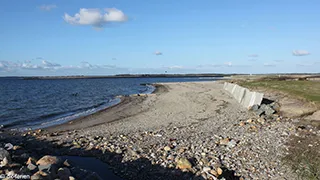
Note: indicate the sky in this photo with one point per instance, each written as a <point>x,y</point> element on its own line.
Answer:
<point>105,37</point>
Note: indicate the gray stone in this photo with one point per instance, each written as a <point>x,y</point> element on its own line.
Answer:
<point>5,158</point>
<point>259,112</point>
<point>269,111</point>
<point>232,143</point>
<point>254,107</point>
<point>31,166</point>
<point>49,168</point>
<point>263,107</point>
<point>275,106</point>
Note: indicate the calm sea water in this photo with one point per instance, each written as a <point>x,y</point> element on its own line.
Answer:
<point>30,104</point>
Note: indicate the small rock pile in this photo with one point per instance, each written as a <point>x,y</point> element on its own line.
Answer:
<point>265,109</point>
<point>15,163</point>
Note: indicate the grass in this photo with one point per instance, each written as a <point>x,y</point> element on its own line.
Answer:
<point>307,90</point>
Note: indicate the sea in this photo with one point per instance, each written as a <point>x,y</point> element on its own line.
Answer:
<point>32,104</point>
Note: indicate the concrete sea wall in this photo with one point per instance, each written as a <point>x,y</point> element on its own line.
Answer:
<point>243,95</point>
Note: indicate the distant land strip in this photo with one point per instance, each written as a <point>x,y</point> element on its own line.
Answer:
<point>128,76</point>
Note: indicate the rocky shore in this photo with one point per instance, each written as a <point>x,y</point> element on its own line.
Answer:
<point>186,131</point>
<point>25,160</point>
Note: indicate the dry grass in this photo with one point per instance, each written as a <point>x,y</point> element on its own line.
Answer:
<point>304,156</point>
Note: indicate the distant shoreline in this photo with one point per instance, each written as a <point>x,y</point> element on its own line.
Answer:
<point>126,76</point>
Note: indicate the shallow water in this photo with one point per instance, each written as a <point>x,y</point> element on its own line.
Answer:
<point>30,104</point>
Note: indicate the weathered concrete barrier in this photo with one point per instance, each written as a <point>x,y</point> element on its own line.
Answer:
<point>243,95</point>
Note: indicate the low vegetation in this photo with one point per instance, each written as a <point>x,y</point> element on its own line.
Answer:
<point>304,156</point>
<point>307,90</point>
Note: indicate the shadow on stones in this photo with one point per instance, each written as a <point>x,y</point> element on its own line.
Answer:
<point>141,168</point>
<point>229,174</point>
<point>266,101</point>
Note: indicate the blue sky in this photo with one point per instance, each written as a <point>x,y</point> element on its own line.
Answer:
<point>99,37</point>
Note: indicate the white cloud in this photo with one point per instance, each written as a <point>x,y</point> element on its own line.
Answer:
<point>158,53</point>
<point>94,17</point>
<point>27,65</point>
<point>85,64</point>
<point>47,7</point>
<point>3,66</point>
<point>300,53</point>
<point>114,15</point>
<point>48,65</point>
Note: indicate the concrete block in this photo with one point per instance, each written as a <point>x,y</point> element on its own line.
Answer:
<point>234,88</point>
<point>238,93</point>
<point>245,101</point>
<point>256,99</point>
<point>251,98</point>
<point>243,95</point>
<point>230,87</point>
<point>225,85</point>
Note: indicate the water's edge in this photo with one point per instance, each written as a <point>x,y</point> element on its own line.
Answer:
<point>72,116</point>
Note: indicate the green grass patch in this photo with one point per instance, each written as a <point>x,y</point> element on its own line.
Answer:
<point>308,90</point>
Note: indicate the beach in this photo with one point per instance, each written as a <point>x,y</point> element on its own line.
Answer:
<point>194,120</point>
<point>174,104</point>
<point>180,131</point>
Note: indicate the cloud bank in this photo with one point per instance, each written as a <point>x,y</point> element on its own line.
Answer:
<point>95,18</point>
<point>300,53</point>
<point>9,66</point>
